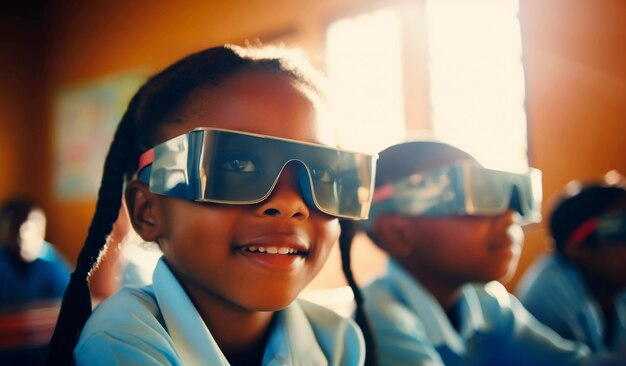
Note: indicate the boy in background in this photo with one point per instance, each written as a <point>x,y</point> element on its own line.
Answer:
<point>579,290</point>
<point>452,229</point>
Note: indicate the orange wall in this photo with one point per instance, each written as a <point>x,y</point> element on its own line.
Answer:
<point>22,149</point>
<point>575,64</point>
<point>574,57</point>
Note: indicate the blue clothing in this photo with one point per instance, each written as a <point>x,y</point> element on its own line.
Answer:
<point>555,293</point>
<point>411,327</point>
<point>50,254</point>
<point>158,324</point>
<point>23,283</point>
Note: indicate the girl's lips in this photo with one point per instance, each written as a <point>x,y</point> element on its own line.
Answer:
<point>294,242</point>
<point>272,250</point>
<point>275,252</point>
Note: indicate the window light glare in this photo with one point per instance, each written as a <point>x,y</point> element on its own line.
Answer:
<point>477,79</point>
<point>364,68</point>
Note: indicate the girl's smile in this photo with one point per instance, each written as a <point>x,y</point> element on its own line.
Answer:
<point>275,251</point>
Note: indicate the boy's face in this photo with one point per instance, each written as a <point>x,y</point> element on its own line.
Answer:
<point>464,249</point>
<point>215,249</point>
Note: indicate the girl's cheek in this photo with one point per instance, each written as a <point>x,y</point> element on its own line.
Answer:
<point>335,228</point>
<point>329,232</point>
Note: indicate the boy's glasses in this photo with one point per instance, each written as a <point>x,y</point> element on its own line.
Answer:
<point>608,229</point>
<point>462,188</point>
<point>221,166</point>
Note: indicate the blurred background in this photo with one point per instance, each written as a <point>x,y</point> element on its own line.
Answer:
<point>539,83</point>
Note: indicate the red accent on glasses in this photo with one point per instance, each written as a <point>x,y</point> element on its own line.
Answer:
<point>582,232</point>
<point>383,192</point>
<point>146,159</point>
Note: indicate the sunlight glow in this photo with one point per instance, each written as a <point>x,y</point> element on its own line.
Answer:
<point>364,65</point>
<point>477,79</point>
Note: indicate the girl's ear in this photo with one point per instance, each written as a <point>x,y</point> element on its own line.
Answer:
<point>143,211</point>
<point>393,235</point>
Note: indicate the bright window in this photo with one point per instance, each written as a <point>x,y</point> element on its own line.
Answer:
<point>364,66</point>
<point>475,75</point>
<point>477,79</point>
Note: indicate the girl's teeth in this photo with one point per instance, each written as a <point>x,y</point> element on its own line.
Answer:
<point>271,250</point>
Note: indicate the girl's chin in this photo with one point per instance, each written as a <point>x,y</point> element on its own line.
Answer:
<point>270,299</point>
<point>272,304</point>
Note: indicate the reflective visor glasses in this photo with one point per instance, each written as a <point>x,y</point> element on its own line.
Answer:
<point>608,229</point>
<point>221,166</point>
<point>462,188</point>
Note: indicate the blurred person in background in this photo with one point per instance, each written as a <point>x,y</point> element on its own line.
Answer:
<point>30,268</point>
<point>453,232</point>
<point>579,290</point>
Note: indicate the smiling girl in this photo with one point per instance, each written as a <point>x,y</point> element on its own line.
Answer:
<point>225,170</point>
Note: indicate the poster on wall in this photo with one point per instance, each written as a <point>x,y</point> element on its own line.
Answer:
<point>85,120</point>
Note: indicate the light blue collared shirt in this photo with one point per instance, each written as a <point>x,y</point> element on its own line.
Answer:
<point>555,293</point>
<point>158,325</point>
<point>412,328</point>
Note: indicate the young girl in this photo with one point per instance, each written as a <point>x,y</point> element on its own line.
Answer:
<point>452,228</point>
<point>226,173</point>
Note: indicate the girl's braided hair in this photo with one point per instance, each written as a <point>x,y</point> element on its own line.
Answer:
<point>348,231</point>
<point>157,103</point>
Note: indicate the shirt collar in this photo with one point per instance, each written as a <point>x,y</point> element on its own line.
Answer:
<point>433,317</point>
<point>292,328</point>
<point>435,321</point>
<point>188,331</point>
<point>196,345</point>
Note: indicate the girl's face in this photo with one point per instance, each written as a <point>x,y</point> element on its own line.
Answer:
<point>467,249</point>
<point>242,256</point>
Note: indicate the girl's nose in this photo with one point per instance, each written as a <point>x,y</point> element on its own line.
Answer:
<point>286,200</point>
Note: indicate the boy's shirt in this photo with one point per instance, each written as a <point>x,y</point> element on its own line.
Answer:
<point>158,324</point>
<point>555,293</point>
<point>411,327</point>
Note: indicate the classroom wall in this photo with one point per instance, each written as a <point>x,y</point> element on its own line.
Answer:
<point>22,125</point>
<point>575,64</point>
<point>574,60</point>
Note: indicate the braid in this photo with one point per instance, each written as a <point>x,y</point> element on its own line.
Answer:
<point>76,306</point>
<point>348,230</point>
